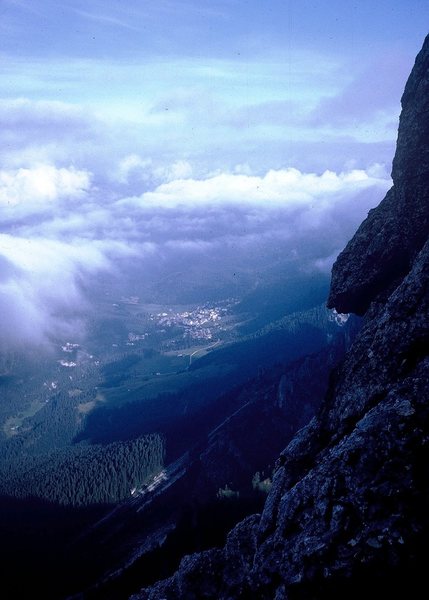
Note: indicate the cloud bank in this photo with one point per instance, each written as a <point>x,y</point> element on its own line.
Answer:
<point>281,188</point>
<point>61,230</point>
<point>130,167</point>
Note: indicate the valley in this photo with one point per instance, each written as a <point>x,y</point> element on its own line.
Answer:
<point>162,341</point>
<point>141,414</point>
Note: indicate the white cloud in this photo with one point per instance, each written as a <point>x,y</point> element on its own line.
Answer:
<point>40,296</point>
<point>32,189</point>
<point>133,164</point>
<point>49,260</point>
<point>181,169</point>
<point>284,187</point>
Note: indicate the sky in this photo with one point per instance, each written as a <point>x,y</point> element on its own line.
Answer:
<point>145,131</point>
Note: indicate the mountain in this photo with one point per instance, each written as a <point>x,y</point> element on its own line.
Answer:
<point>103,489</point>
<point>222,478</point>
<point>347,513</point>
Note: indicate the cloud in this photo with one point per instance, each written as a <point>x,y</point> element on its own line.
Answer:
<point>179,170</point>
<point>375,92</point>
<point>107,20</point>
<point>134,168</point>
<point>60,232</point>
<point>131,166</point>
<point>35,132</point>
<point>219,149</point>
<point>284,187</point>
<point>276,113</point>
<point>40,295</point>
<point>24,122</point>
<point>42,114</point>
<point>217,117</point>
<point>24,191</point>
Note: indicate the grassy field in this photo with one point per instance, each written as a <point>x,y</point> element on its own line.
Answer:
<point>12,425</point>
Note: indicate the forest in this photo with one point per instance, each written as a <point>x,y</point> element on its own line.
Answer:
<point>85,475</point>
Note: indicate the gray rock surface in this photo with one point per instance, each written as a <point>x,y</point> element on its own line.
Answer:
<point>348,509</point>
<point>386,244</point>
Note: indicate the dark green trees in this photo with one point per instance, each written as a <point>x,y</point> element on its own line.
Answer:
<point>87,474</point>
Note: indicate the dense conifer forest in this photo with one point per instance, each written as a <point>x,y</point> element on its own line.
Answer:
<point>85,474</point>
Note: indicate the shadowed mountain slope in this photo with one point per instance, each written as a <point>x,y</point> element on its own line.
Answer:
<point>347,513</point>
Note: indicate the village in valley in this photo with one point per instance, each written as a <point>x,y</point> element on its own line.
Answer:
<point>134,344</point>
<point>179,328</point>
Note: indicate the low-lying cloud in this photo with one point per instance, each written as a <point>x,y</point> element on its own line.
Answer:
<point>60,231</point>
<point>279,188</point>
<point>40,296</point>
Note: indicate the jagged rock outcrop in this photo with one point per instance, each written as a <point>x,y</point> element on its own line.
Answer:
<point>348,509</point>
<point>386,244</point>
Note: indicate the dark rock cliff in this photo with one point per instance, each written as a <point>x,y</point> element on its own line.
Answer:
<point>388,241</point>
<point>348,509</point>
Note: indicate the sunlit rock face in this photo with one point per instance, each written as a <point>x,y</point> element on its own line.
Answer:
<point>348,514</point>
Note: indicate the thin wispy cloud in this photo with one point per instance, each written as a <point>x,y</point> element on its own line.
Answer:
<point>110,12</point>
<point>107,20</point>
<point>365,96</point>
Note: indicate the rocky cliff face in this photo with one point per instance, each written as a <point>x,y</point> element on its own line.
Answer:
<point>385,246</point>
<point>348,509</point>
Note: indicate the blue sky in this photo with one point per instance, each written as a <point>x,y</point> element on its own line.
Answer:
<point>176,113</point>
<point>224,77</point>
